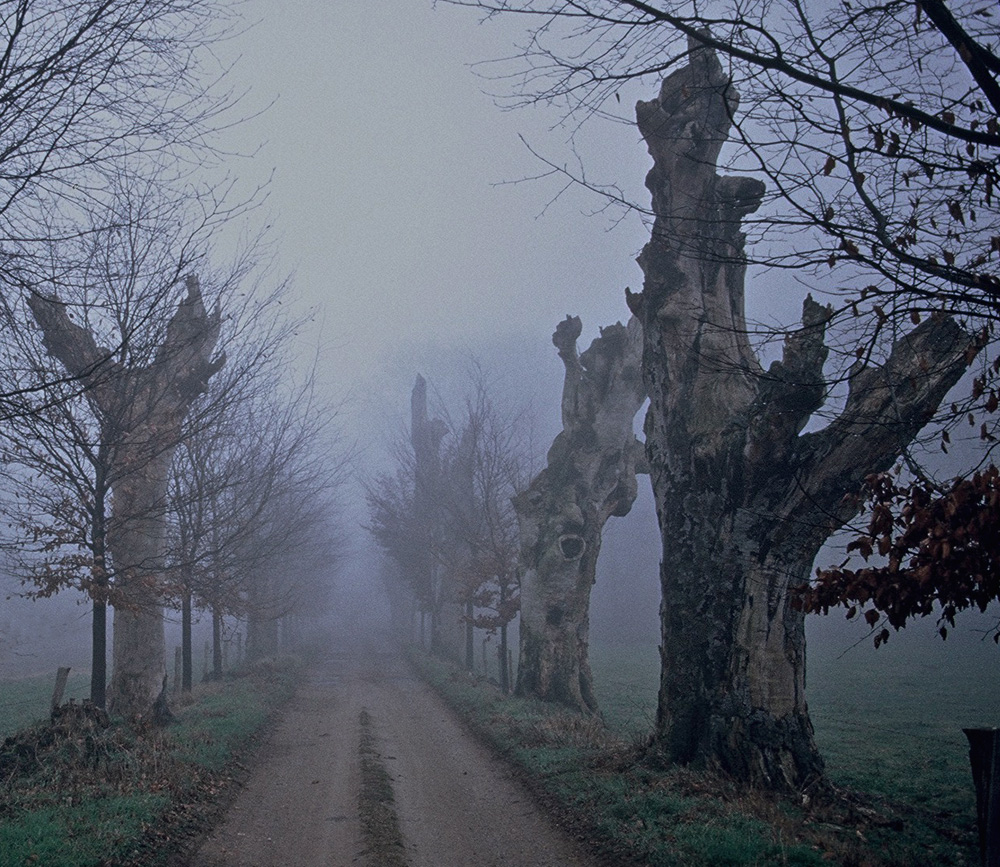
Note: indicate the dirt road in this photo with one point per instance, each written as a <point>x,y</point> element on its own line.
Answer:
<point>456,804</point>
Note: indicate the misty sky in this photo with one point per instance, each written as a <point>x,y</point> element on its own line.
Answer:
<point>391,196</point>
<point>398,199</point>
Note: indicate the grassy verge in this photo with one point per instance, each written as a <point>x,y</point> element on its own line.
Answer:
<point>888,722</point>
<point>636,812</point>
<point>81,793</point>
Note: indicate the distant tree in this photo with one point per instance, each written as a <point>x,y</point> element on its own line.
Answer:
<point>493,458</point>
<point>449,528</point>
<point>237,451</point>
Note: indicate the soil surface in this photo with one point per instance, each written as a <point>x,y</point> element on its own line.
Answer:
<point>456,804</point>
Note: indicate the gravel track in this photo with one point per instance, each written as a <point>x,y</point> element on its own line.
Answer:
<point>456,804</point>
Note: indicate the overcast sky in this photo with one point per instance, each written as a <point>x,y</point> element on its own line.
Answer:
<point>398,199</point>
<point>393,195</point>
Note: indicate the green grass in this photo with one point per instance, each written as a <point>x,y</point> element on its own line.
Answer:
<point>122,797</point>
<point>888,725</point>
<point>27,700</point>
<point>887,721</point>
<point>98,832</point>
<point>631,813</point>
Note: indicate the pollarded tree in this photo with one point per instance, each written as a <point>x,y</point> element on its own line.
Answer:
<point>590,477</point>
<point>744,498</point>
<point>141,409</point>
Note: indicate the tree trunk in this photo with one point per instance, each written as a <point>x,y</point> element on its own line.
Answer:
<point>99,621</point>
<point>99,653</point>
<point>470,637</point>
<point>217,670</point>
<point>590,476</point>
<point>504,667</point>
<point>136,545</point>
<point>186,651</point>
<point>141,409</point>
<point>744,500</point>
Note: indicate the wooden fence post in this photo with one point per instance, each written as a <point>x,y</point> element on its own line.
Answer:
<point>984,755</point>
<point>61,675</point>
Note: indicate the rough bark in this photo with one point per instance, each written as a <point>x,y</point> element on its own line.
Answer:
<point>141,408</point>
<point>590,476</point>
<point>744,499</point>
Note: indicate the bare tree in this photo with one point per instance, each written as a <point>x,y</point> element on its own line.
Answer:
<point>251,494</point>
<point>86,83</point>
<point>489,465</point>
<point>449,528</point>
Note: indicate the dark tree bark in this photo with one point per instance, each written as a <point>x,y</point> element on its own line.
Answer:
<point>141,409</point>
<point>590,476</point>
<point>217,642</point>
<point>99,618</point>
<point>744,499</point>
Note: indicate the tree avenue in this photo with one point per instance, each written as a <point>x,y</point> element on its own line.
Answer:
<point>744,498</point>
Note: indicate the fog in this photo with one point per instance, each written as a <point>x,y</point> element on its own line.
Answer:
<point>424,234</point>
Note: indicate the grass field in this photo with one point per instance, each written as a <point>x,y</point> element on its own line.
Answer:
<point>27,700</point>
<point>888,722</point>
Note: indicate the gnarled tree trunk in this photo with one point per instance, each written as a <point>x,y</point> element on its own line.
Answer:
<point>590,476</point>
<point>744,499</point>
<point>141,409</point>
